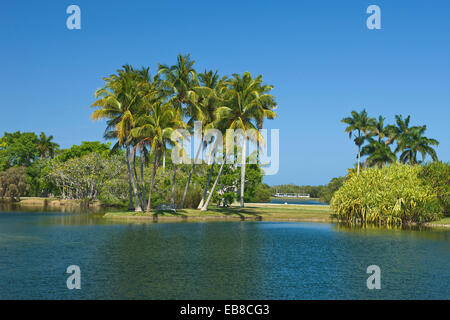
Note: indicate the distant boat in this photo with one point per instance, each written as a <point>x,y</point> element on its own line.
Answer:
<point>292,195</point>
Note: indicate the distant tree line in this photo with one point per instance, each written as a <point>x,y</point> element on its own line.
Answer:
<point>34,165</point>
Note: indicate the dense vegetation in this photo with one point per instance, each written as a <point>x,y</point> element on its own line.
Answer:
<point>142,113</point>
<point>92,170</point>
<point>392,194</point>
<point>387,188</point>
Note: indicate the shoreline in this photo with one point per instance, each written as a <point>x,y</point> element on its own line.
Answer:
<point>273,212</point>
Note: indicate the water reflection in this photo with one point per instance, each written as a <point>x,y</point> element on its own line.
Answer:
<point>216,260</point>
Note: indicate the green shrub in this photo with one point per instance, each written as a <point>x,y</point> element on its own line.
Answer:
<point>328,191</point>
<point>394,194</point>
<point>437,175</point>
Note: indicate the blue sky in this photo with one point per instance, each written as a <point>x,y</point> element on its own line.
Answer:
<point>319,55</point>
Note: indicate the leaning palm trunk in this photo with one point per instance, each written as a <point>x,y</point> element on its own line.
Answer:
<point>207,186</point>
<point>142,179</point>
<point>172,198</point>
<point>244,151</point>
<point>138,188</point>
<point>205,207</point>
<point>130,195</point>
<point>152,183</point>
<point>133,182</point>
<point>190,174</point>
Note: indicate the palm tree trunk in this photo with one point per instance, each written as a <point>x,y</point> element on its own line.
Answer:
<point>130,196</point>
<point>155,167</point>
<point>133,182</point>
<point>205,207</point>
<point>190,174</point>
<point>206,186</point>
<point>172,198</point>
<point>164,160</point>
<point>142,178</point>
<point>138,188</point>
<point>244,151</point>
<point>359,159</point>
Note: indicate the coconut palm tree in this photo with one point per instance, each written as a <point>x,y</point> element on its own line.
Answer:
<point>362,124</point>
<point>154,130</point>
<point>246,103</point>
<point>203,101</point>
<point>46,147</point>
<point>415,142</point>
<point>178,80</point>
<point>118,102</point>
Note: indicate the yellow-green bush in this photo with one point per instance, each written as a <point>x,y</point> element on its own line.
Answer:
<point>393,194</point>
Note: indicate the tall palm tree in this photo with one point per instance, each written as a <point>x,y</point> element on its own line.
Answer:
<point>362,124</point>
<point>246,104</point>
<point>46,146</point>
<point>203,101</point>
<point>379,153</point>
<point>119,101</point>
<point>154,130</point>
<point>415,142</point>
<point>178,81</point>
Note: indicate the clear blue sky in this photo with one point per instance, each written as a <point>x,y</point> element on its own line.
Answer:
<point>319,55</point>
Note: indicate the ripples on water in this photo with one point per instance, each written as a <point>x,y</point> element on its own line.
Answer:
<point>216,260</point>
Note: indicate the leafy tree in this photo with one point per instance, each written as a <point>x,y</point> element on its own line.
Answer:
<point>327,192</point>
<point>18,149</point>
<point>13,183</point>
<point>86,147</point>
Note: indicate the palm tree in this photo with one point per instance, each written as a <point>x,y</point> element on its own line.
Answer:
<point>178,81</point>
<point>154,130</point>
<point>379,153</point>
<point>203,101</point>
<point>208,103</point>
<point>362,124</point>
<point>46,147</point>
<point>415,142</point>
<point>246,104</point>
<point>119,101</point>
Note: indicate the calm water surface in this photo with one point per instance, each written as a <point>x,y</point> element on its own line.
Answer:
<point>215,260</point>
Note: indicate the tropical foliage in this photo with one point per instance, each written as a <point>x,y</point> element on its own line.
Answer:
<point>395,194</point>
<point>143,114</point>
<point>409,141</point>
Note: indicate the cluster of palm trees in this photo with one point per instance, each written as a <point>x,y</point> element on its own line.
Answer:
<point>144,112</point>
<point>374,139</point>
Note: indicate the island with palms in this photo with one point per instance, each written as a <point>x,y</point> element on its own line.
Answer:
<point>143,113</point>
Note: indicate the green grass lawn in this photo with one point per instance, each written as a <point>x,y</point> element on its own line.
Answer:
<point>250,212</point>
<point>443,221</point>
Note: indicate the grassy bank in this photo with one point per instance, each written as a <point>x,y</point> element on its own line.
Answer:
<point>265,212</point>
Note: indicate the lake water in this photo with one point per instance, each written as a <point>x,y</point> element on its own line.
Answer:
<point>215,260</point>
